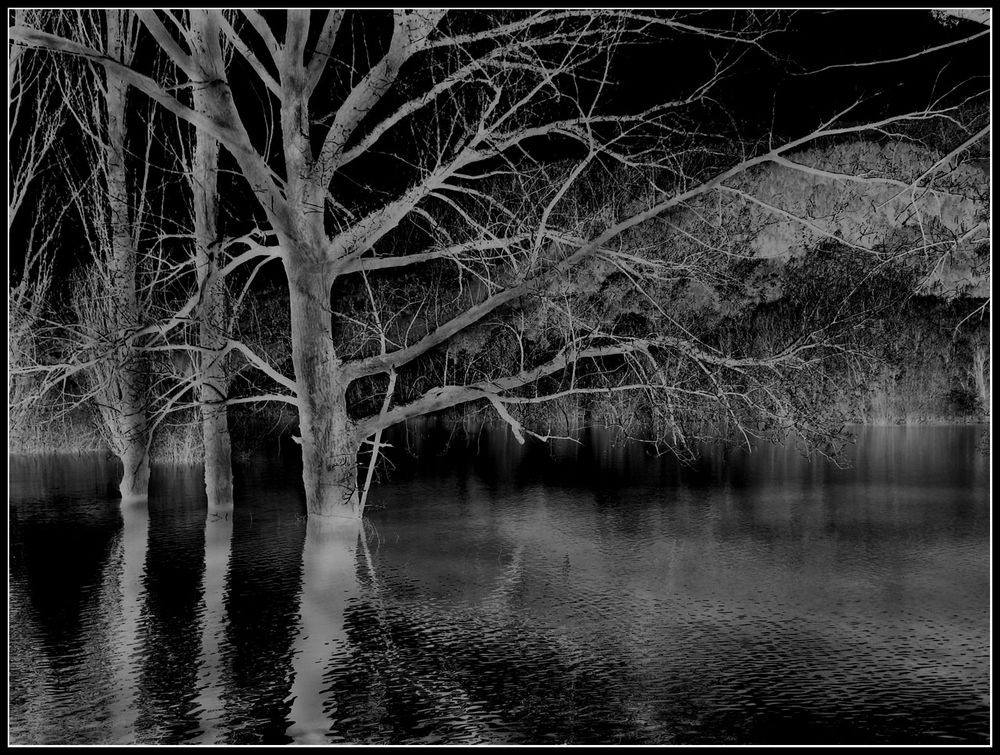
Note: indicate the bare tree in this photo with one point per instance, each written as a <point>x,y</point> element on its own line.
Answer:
<point>36,114</point>
<point>109,301</point>
<point>207,57</point>
<point>113,341</point>
<point>410,141</point>
<point>93,349</point>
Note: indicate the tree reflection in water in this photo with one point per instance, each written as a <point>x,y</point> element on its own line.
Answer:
<point>329,582</point>
<point>218,549</point>
<point>131,582</point>
<point>376,665</point>
<point>603,600</point>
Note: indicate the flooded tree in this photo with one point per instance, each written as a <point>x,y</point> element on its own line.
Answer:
<point>462,202</point>
<point>113,348</point>
<point>207,53</point>
<point>108,299</point>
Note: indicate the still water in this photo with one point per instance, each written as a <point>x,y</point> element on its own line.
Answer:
<point>514,595</point>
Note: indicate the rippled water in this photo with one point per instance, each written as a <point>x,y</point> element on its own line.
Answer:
<point>517,596</point>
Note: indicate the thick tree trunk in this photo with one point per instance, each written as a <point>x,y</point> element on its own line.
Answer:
<point>211,334</point>
<point>134,484</point>
<point>126,396</point>
<point>329,438</point>
<point>981,374</point>
<point>218,457</point>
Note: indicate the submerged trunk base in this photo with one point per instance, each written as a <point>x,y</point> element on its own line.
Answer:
<point>134,485</point>
<point>331,487</point>
<point>218,464</point>
<point>334,499</point>
<point>328,440</point>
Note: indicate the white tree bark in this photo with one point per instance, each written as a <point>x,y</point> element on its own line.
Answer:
<point>981,375</point>
<point>212,378</point>
<point>329,439</point>
<point>131,440</point>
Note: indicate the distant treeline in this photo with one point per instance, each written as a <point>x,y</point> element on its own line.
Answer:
<point>927,362</point>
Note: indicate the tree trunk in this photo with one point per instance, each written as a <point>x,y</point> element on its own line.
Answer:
<point>211,325</point>
<point>127,396</point>
<point>329,438</point>
<point>218,456</point>
<point>981,374</point>
<point>134,485</point>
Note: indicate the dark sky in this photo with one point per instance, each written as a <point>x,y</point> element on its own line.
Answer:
<point>812,40</point>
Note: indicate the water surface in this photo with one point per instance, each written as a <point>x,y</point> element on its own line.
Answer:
<point>514,595</point>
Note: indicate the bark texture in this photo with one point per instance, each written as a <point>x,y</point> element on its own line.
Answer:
<point>328,436</point>
<point>207,55</point>
<point>130,434</point>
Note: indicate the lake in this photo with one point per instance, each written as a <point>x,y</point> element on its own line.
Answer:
<point>508,594</point>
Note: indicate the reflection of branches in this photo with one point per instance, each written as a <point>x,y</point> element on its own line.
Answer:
<point>450,697</point>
